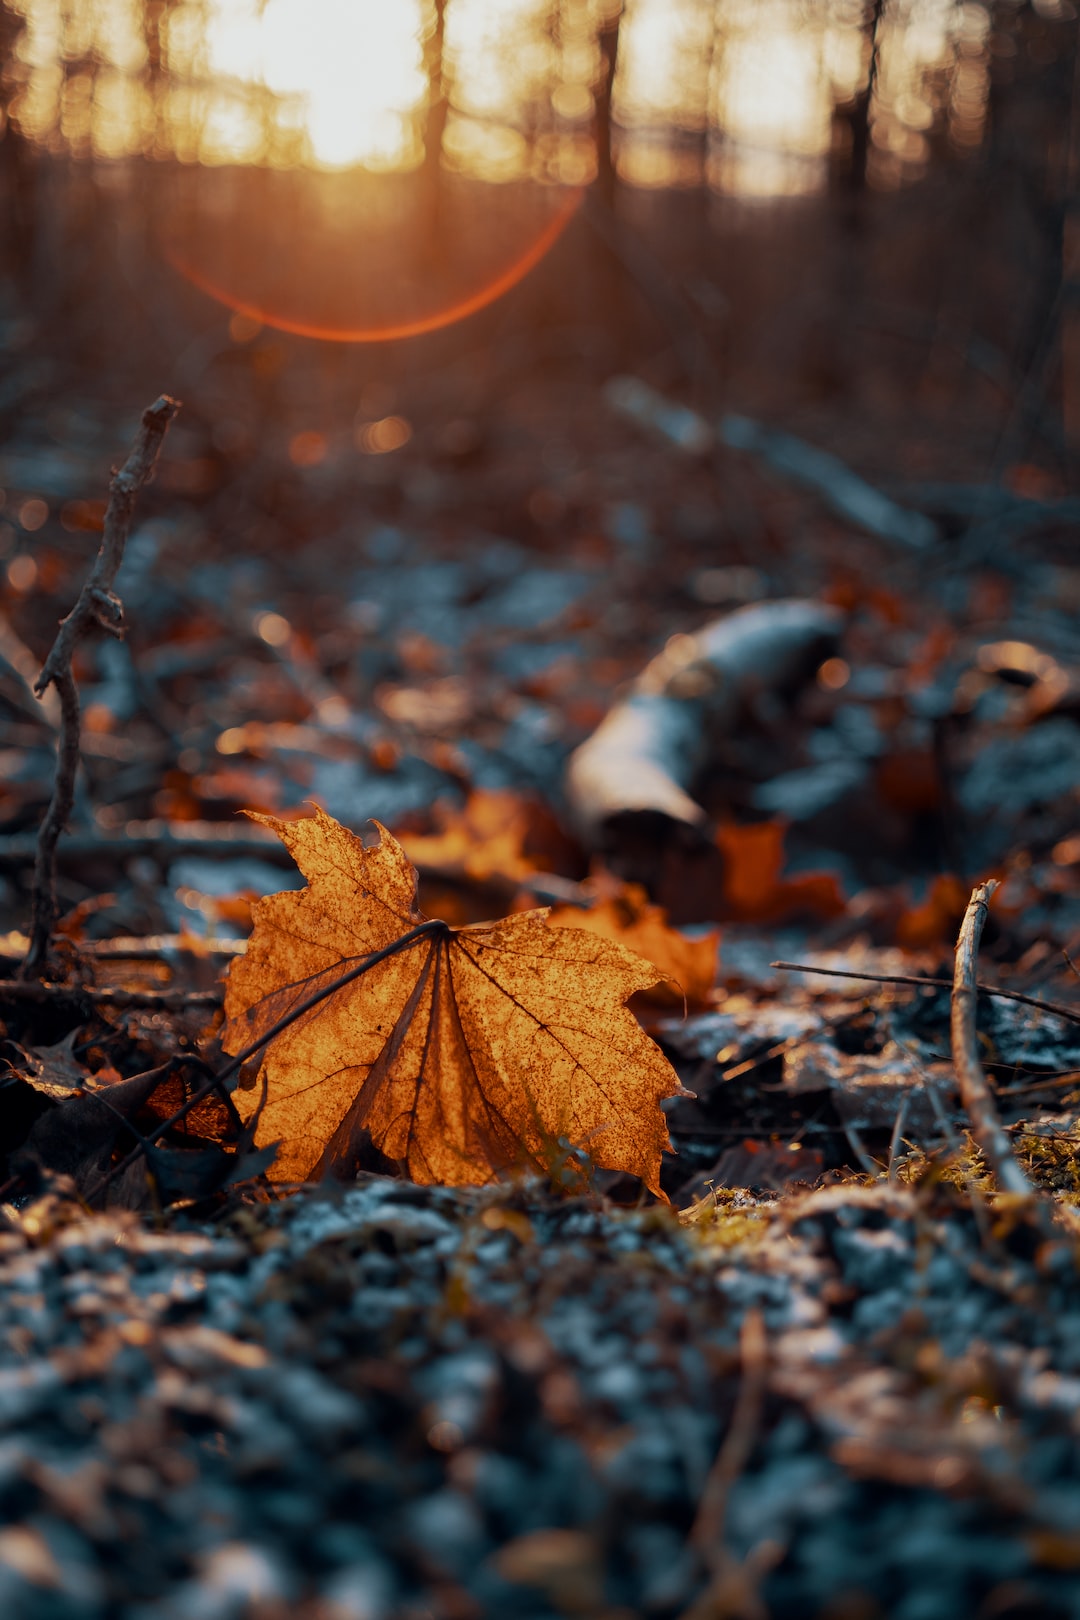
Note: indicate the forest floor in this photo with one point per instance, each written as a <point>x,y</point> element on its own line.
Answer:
<point>837,1375</point>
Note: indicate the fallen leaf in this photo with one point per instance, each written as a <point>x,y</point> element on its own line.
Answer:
<point>77,1136</point>
<point>495,834</point>
<point>757,1163</point>
<point>54,1071</point>
<point>687,967</point>
<point>563,1564</point>
<point>755,889</point>
<point>197,1172</point>
<point>935,920</point>
<point>462,1053</point>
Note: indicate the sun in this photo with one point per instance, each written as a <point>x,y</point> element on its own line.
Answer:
<point>349,73</point>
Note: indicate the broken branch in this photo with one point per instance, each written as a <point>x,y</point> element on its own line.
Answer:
<point>1055,1007</point>
<point>97,604</point>
<point>975,1092</point>
<point>41,990</point>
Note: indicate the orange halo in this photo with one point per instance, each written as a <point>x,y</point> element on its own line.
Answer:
<point>459,311</point>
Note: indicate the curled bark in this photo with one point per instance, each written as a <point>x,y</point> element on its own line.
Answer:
<point>647,751</point>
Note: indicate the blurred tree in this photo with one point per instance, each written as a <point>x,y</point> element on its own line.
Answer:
<point>1028,155</point>
<point>18,166</point>
<point>603,125</point>
<point>853,123</point>
<point>436,113</point>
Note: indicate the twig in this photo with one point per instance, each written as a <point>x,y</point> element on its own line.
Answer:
<point>97,604</point>
<point>897,1135</point>
<point>1055,1007</point>
<point>734,1454</point>
<point>425,930</point>
<point>19,671</point>
<point>41,990</point>
<point>855,1142</point>
<point>975,1092</point>
<point>136,948</point>
<point>732,1586</point>
<point>1056,1082</point>
<point>213,840</point>
<point>659,289</point>
<point>841,489</point>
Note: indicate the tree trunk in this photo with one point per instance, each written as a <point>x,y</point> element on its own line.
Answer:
<point>606,172</point>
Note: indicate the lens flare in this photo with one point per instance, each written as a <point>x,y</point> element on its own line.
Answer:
<point>359,259</point>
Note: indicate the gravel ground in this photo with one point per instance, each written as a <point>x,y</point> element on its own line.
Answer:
<point>414,1403</point>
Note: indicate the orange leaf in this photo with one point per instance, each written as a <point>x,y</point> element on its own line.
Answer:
<point>463,1054</point>
<point>687,967</point>
<point>496,833</point>
<point>755,889</point>
<point>937,919</point>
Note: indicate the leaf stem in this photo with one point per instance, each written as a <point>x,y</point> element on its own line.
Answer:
<point>425,930</point>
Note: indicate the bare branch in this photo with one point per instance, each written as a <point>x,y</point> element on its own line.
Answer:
<point>41,990</point>
<point>97,605</point>
<point>1058,1008</point>
<point>733,1583</point>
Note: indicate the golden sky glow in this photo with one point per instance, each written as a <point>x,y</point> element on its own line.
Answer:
<point>353,70</point>
<point>334,83</point>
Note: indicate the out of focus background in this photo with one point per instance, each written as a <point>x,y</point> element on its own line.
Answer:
<point>503,331</point>
<point>853,212</point>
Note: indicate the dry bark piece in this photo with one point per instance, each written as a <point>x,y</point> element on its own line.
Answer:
<point>645,754</point>
<point>462,1053</point>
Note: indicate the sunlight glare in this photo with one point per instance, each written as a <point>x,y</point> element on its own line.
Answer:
<point>355,67</point>
<point>772,92</point>
<point>738,94</point>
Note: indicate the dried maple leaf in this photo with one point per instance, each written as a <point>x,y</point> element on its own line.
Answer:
<point>496,833</point>
<point>686,968</point>
<point>462,1052</point>
<point>755,889</point>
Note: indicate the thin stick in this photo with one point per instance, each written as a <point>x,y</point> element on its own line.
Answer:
<point>165,842</point>
<point>97,604</point>
<point>1071,1013</point>
<point>732,1588</point>
<point>708,1530</point>
<point>41,990</point>
<point>855,1142</point>
<point>975,1092</point>
<point>136,948</point>
<point>897,1135</point>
